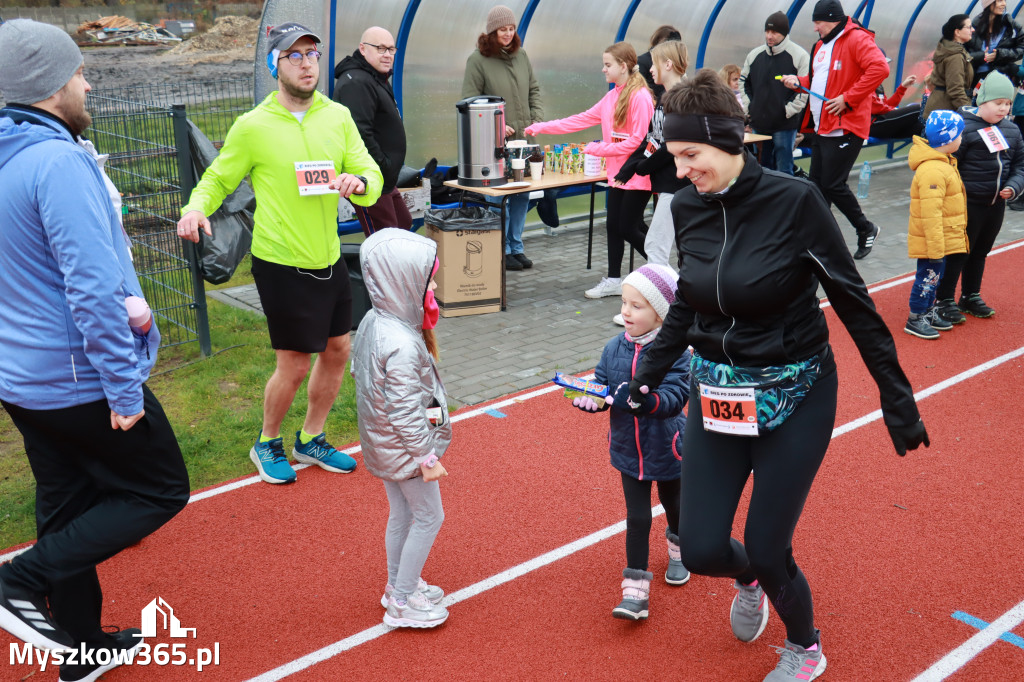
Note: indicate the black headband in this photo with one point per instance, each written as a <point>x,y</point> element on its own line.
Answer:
<point>724,132</point>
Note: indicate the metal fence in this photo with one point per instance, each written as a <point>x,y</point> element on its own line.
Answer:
<point>145,133</point>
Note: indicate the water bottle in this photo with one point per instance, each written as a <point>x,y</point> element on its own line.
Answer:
<point>865,181</point>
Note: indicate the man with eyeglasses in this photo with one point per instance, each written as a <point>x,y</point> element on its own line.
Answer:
<point>362,86</point>
<point>300,150</point>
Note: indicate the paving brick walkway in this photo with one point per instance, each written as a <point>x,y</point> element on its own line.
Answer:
<point>550,326</point>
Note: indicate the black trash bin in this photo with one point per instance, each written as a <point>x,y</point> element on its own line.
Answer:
<point>360,296</point>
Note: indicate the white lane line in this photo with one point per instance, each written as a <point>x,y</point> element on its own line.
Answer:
<point>888,284</point>
<point>244,482</point>
<point>473,590</point>
<point>932,390</point>
<point>959,657</point>
<point>516,571</point>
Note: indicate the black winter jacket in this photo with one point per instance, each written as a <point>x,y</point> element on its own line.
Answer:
<point>1009,50</point>
<point>659,164</point>
<point>647,447</point>
<point>369,98</point>
<point>772,106</point>
<point>985,173</point>
<point>751,260</point>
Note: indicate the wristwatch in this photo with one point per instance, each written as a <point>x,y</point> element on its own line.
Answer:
<point>362,180</point>
<point>430,461</point>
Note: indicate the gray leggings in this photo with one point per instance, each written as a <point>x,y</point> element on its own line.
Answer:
<point>415,518</point>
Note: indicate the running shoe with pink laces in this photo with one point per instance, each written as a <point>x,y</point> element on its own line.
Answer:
<point>797,663</point>
<point>749,613</point>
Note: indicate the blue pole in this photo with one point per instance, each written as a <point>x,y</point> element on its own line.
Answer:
<point>626,19</point>
<point>524,21</point>
<point>403,40</point>
<point>794,10</point>
<point>867,14</point>
<point>906,38</point>
<point>331,34</point>
<point>706,35</point>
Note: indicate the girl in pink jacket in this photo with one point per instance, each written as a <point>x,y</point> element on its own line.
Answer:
<point>624,114</point>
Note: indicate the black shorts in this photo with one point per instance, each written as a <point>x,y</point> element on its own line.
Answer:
<point>304,308</point>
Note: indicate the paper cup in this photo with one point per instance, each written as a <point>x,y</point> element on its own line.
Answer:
<point>518,164</point>
<point>536,169</point>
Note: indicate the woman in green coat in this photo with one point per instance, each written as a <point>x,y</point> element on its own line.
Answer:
<point>499,66</point>
<point>953,74</point>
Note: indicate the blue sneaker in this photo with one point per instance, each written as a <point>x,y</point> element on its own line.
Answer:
<point>321,453</point>
<point>271,461</point>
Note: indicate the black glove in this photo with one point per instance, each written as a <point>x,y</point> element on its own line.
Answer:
<point>622,400</point>
<point>623,176</point>
<point>908,437</point>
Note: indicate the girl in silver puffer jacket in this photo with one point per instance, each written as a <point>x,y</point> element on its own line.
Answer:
<point>403,415</point>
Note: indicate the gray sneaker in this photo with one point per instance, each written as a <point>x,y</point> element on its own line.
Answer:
<point>797,663</point>
<point>917,325</point>
<point>415,611</point>
<point>749,613</point>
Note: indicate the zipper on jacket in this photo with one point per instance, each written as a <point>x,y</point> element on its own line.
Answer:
<point>309,155</point>
<point>718,280</point>
<point>636,420</point>
<point>999,177</point>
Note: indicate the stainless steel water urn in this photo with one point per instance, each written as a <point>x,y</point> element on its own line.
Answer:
<point>481,141</point>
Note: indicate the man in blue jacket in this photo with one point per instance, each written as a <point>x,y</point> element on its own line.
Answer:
<point>107,466</point>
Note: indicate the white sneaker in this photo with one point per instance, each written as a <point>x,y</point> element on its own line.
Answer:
<point>608,286</point>
<point>618,320</point>
<point>432,592</point>
<point>415,611</point>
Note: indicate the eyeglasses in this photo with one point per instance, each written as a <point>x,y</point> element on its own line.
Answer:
<point>383,49</point>
<point>296,57</point>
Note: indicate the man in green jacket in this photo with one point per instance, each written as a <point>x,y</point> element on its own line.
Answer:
<point>300,151</point>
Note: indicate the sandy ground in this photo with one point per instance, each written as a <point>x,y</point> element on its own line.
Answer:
<point>114,67</point>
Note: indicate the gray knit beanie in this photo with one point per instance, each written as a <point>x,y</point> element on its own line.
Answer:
<point>498,17</point>
<point>36,60</point>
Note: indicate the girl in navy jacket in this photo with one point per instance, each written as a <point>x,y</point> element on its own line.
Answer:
<point>644,447</point>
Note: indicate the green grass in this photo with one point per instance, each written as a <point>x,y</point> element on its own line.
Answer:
<point>214,404</point>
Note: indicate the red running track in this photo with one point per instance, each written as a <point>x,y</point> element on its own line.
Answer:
<point>892,546</point>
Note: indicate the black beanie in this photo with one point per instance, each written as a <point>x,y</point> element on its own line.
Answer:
<point>778,22</point>
<point>828,10</point>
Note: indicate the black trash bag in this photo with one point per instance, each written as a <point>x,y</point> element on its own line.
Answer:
<point>462,218</point>
<point>231,224</point>
<point>439,194</point>
<point>408,177</point>
<point>361,303</point>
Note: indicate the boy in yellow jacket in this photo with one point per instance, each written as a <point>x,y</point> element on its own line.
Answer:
<point>938,217</point>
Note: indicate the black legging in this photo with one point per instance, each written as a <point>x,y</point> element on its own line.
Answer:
<point>785,462</point>
<point>638,516</point>
<point>983,225</point>
<point>625,216</point>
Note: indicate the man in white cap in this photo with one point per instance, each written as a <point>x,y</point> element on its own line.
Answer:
<point>108,469</point>
<point>300,150</point>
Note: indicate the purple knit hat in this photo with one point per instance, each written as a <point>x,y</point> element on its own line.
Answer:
<point>656,283</point>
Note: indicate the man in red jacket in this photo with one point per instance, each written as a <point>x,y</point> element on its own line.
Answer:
<point>846,68</point>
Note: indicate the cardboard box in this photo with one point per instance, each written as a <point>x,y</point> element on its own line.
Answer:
<point>469,279</point>
<point>417,199</point>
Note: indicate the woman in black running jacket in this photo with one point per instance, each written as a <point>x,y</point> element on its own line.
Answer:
<point>754,245</point>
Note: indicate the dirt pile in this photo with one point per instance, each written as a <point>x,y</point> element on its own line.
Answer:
<point>231,39</point>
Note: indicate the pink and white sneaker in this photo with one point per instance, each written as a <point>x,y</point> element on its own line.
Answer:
<point>432,592</point>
